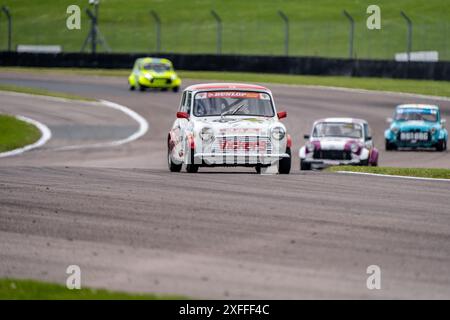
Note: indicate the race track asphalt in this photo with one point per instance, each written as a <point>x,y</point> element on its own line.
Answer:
<point>223,233</point>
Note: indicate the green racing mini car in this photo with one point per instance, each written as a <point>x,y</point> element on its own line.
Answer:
<point>153,73</point>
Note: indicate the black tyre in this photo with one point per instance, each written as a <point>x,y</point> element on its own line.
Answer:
<point>141,88</point>
<point>364,163</point>
<point>132,88</point>
<point>304,166</point>
<point>441,145</point>
<point>258,169</point>
<point>284,165</point>
<point>390,146</point>
<point>192,167</point>
<point>172,166</point>
<point>176,89</point>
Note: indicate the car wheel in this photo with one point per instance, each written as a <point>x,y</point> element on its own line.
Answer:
<point>172,166</point>
<point>364,163</point>
<point>131,88</point>
<point>441,145</point>
<point>390,146</point>
<point>176,89</point>
<point>141,88</point>
<point>163,89</point>
<point>284,165</point>
<point>191,167</point>
<point>258,169</point>
<point>305,166</point>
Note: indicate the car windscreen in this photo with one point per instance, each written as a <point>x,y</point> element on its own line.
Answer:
<point>334,129</point>
<point>216,103</point>
<point>416,115</point>
<point>157,67</point>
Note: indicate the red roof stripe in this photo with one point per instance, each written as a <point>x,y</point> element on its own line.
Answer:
<point>227,86</point>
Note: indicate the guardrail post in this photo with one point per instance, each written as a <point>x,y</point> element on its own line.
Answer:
<point>94,36</point>
<point>352,32</point>
<point>286,31</point>
<point>93,17</point>
<point>158,29</point>
<point>7,13</point>
<point>409,36</point>
<point>219,31</point>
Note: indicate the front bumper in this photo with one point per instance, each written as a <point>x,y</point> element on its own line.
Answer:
<point>330,162</point>
<point>394,139</point>
<point>166,83</point>
<point>238,158</point>
<point>418,144</point>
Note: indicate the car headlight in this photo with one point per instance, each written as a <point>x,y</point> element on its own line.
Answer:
<point>310,146</point>
<point>207,134</point>
<point>395,130</point>
<point>354,148</point>
<point>173,77</point>
<point>148,76</point>
<point>278,133</point>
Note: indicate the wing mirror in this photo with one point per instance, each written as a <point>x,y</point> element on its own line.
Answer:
<point>282,114</point>
<point>182,115</point>
<point>389,120</point>
<point>306,136</point>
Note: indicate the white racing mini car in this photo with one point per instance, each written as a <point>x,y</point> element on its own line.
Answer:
<point>338,141</point>
<point>228,124</point>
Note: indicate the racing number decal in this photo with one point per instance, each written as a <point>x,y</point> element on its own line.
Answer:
<point>243,145</point>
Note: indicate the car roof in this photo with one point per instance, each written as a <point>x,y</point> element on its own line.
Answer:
<point>226,86</point>
<point>418,106</point>
<point>342,120</point>
<point>154,60</point>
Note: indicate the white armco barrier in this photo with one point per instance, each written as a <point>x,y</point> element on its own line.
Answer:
<point>39,48</point>
<point>423,56</point>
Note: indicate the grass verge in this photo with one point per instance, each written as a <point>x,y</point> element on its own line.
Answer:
<point>406,172</point>
<point>15,133</point>
<point>426,87</point>
<point>41,92</point>
<point>14,289</point>
<point>317,27</point>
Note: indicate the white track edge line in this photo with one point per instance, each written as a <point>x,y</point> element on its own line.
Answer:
<point>46,134</point>
<point>392,176</point>
<point>49,98</point>
<point>143,128</point>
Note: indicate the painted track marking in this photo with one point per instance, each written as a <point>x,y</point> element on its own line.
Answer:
<point>392,176</point>
<point>46,134</point>
<point>143,128</point>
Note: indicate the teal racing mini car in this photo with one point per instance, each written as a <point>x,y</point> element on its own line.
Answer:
<point>154,73</point>
<point>416,126</point>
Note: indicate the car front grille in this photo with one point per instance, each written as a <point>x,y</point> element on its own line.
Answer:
<point>242,144</point>
<point>332,154</point>
<point>414,135</point>
<point>161,80</point>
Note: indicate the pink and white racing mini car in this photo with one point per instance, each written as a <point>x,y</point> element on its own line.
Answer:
<point>338,141</point>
